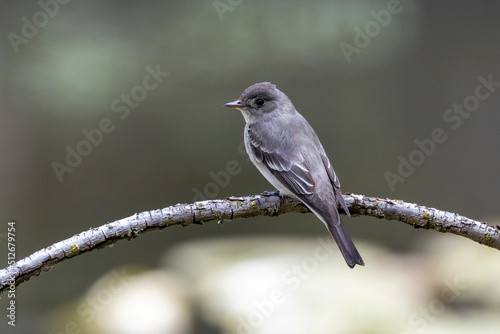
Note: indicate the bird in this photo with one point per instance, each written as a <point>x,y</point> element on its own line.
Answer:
<point>288,153</point>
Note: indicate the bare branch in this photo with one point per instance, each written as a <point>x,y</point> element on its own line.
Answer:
<point>239,207</point>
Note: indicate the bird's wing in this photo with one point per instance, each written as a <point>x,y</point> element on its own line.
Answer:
<point>335,182</point>
<point>295,176</point>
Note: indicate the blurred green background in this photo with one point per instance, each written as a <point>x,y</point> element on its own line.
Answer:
<point>63,66</point>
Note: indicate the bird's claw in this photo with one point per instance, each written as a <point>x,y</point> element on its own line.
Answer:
<point>271,193</point>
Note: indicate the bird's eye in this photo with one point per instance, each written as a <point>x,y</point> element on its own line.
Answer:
<point>259,102</point>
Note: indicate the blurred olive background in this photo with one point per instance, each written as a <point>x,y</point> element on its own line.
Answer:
<point>367,111</point>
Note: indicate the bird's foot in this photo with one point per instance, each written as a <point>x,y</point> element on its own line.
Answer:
<point>271,193</point>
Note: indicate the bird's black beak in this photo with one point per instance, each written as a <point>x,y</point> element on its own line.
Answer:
<point>235,104</point>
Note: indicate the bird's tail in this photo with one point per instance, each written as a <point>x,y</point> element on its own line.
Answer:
<point>344,241</point>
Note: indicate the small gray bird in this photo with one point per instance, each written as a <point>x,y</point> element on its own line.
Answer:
<point>287,151</point>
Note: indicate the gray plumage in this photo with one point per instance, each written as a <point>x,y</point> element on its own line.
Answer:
<point>287,151</point>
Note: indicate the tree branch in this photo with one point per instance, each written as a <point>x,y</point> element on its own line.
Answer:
<point>239,207</point>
